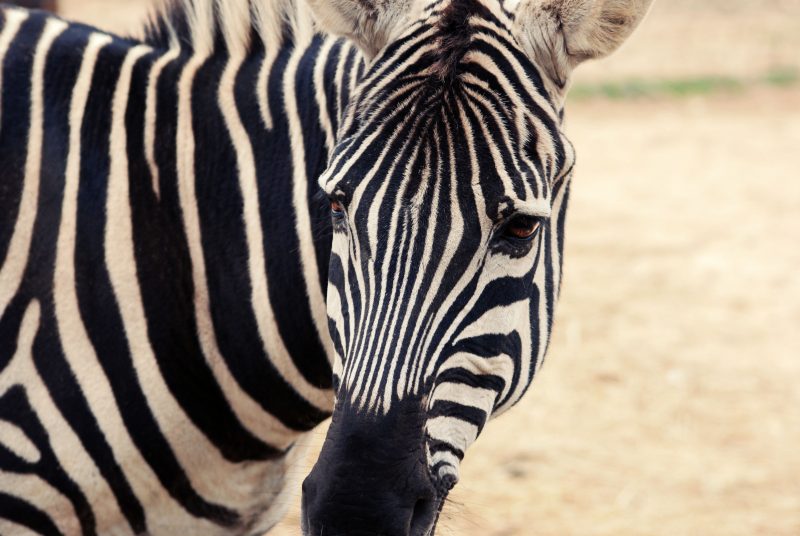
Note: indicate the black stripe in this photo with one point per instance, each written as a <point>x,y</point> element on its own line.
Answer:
<point>336,272</point>
<point>465,377</point>
<point>281,245</point>
<point>63,65</point>
<point>446,408</point>
<point>220,203</point>
<point>316,159</point>
<point>15,408</point>
<point>164,270</point>
<point>434,446</point>
<point>25,514</point>
<point>15,117</point>
<point>98,307</point>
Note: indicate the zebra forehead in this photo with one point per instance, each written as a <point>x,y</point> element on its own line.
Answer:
<point>455,34</point>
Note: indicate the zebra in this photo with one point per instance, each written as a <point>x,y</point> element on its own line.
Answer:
<point>261,214</point>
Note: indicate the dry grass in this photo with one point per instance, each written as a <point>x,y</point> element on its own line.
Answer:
<point>670,402</point>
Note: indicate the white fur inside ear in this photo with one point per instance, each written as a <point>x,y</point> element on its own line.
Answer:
<point>370,24</point>
<point>560,34</point>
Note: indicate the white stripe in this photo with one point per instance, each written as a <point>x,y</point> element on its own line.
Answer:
<point>234,20</point>
<point>451,463</point>
<point>78,349</point>
<point>202,25</point>
<point>185,150</point>
<point>499,166</point>
<point>386,336</point>
<point>466,395</point>
<point>455,432</point>
<point>68,450</point>
<point>262,86</point>
<point>338,83</point>
<point>521,74</point>
<point>200,458</point>
<point>516,314</point>
<point>16,259</point>
<point>444,456</point>
<point>339,247</point>
<point>511,315</point>
<point>257,263</point>
<point>369,352</point>
<point>321,92</point>
<point>559,212</point>
<point>150,119</point>
<point>9,527</point>
<point>303,225</point>
<point>432,227</point>
<point>17,441</point>
<point>500,365</point>
<point>269,21</point>
<point>470,269</point>
<point>367,293</point>
<point>543,320</point>
<point>357,59</point>
<point>38,493</point>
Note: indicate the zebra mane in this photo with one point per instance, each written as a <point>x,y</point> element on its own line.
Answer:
<point>203,25</point>
<point>456,35</point>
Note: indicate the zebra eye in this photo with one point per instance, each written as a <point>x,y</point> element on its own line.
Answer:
<point>521,228</point>
<point>337,208</point>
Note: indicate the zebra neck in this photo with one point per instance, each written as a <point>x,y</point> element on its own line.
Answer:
<point>231,234</point>
<point>233,148</point>
<point>162,260</point>
<point>190,195</point>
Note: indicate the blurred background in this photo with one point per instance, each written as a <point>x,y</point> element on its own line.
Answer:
<point>670,403</point>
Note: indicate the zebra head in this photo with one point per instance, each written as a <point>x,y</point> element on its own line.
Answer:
<point>448,188</point>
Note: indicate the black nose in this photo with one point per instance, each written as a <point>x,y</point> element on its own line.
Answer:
<point>364,504</point>
<point>372,476</point>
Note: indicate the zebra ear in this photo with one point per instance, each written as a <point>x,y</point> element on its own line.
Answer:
<point>371,24</point>
<point>560,34</point>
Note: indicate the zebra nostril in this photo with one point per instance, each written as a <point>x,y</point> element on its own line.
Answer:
<point>422,517</point>
<point>447,482</point>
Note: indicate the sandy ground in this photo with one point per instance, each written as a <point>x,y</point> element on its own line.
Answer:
<point>670,403</point>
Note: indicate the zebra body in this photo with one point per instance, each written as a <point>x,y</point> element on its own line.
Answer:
<point>163,342</point>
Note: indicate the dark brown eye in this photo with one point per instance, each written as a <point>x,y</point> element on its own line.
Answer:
<point>521,228</point>
<point>337,208</point>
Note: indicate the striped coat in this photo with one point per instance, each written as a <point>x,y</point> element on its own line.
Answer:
<point>164,257</point>
<point>215,237</point>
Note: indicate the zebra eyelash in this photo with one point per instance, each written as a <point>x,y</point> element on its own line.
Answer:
<point>500,228</point>
<point>512,247</point>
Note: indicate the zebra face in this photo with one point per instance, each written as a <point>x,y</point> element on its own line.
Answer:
<point>448,189</point>
<point>447,194</point>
